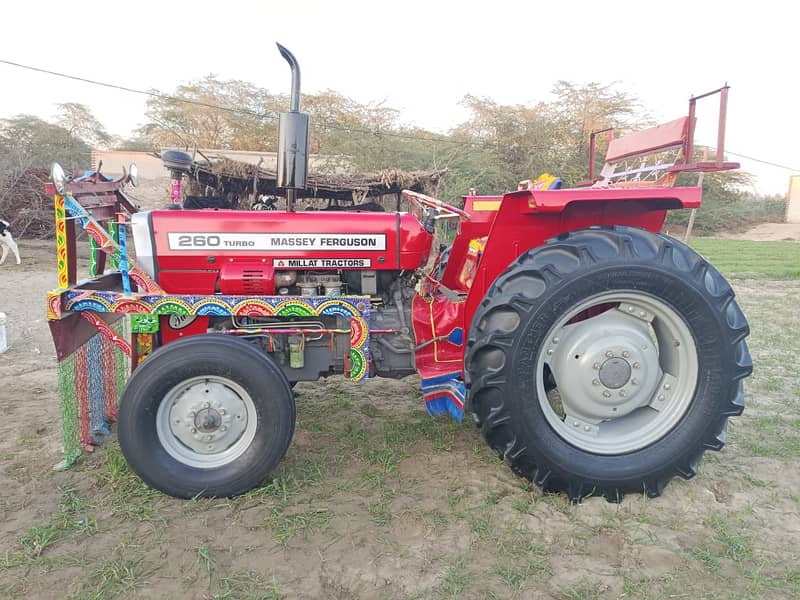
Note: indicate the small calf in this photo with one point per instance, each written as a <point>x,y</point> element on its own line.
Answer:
<point>7,242</point>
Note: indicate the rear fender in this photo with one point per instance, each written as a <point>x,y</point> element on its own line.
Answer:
<point>526,219</point>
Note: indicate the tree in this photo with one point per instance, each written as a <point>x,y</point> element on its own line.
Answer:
<point>213,113</point>
<point>27,141</point>
<point>79,121</point>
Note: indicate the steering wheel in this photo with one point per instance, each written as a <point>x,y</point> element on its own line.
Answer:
<point>444,209</point>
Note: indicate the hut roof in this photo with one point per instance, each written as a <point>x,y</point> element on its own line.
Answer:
<point>224,174</point>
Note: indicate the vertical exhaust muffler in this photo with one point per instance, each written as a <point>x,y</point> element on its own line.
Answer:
<point>292,139</point>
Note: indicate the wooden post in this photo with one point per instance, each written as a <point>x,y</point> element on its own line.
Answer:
<point>693,214</point>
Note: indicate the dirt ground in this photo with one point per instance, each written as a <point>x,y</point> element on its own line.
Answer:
<point>376,500</point>
<point>768,232</point>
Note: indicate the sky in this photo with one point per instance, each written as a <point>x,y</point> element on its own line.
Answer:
<point>423,57</point>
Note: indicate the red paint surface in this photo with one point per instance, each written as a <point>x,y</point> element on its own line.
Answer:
<point>196,271</point>
<point>524,221</point>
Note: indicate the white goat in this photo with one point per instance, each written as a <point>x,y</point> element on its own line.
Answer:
<point>7,242</point>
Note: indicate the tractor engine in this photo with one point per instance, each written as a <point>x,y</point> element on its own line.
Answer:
<point>370,254</point>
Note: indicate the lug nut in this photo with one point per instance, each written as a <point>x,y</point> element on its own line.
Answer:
<point>207,404</point>
<point>211,446</point>
<point>609,354</point>
<point>635,365</point>
<point>194,430</point>
<point>549,352</point>
<point>575,424</point>
<point>667,386</point>
<point>209,438</point>
<point>595,382</point>
<point>634,381</point>
<point>626,354</point>
<point>223,428</point>
<point>642,313</point>
<point>587,428</point>
<point>661,397</point>
<point>622,393</point>
<point>607,394</point>
<point>177,421</point>
<point>222,411</point>
<point>630,309</point>
<point>555,340</point>
<point>596,366</point>
<point>192,414</point>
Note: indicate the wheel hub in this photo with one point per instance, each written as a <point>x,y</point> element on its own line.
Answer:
<point>620,378</point>
<point>208,420</point>
<point>605,367</point>
<point>207,416</point>
<point>615,373</point>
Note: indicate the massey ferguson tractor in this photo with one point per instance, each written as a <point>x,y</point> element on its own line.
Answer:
<point>596,355</point>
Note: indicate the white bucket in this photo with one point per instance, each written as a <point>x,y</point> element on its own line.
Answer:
<point>3,337</point>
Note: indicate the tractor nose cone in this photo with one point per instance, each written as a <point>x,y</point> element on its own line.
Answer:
<point>615,373</point>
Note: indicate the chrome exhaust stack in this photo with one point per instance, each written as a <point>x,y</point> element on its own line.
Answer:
<point>292,139</point>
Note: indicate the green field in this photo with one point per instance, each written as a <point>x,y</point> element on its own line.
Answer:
<point>744,259</point>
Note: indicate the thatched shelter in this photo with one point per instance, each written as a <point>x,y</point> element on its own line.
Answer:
<point>214,174</point>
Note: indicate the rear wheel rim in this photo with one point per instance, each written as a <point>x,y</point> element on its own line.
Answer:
<point>206,422</point>
<point>621,379</point>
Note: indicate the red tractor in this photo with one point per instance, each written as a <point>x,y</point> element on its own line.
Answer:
<point>597,355</point>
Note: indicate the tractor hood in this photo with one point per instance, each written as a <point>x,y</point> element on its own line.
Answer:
<point>186,250</point>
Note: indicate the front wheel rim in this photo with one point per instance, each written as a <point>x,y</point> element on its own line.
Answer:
<point>617,372</point>
<point>206,422</point>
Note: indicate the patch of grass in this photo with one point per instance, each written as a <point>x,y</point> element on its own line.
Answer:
<point>583,590</point>
<point>433,519</point>
<point>38,538</point>
<point>72,518</point>
<point>204,558</point>
<point>731,541</point>
<point>286,526</point>
<point>732,536</point>
<point>745,259</point>
<point>519,558</point>
<point>772,437</point>
<point>247,586</point>
<point>380,512</point>
<point>128,496</point>
<point>455,579</point>
<point>119,575</point>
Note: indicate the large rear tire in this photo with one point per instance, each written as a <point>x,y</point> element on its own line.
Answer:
<point>607,361</point>
<point>208,415</point>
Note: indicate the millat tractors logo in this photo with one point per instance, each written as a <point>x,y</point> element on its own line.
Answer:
<point>321,263</point>
<point>261,242</point>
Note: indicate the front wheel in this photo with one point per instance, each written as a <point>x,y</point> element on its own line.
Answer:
<point>208,415</point>
<point>607,361</point>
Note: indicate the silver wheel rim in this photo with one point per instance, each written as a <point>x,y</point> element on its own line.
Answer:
<point>624,377</point>
<point>206,422</point>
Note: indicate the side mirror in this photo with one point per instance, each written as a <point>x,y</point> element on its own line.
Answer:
<point>58,177</point>
<point>133,175</point>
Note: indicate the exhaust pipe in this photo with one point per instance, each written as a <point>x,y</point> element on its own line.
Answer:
<point>292,139</point>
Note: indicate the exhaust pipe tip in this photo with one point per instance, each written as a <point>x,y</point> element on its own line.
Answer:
<point>295,66</point>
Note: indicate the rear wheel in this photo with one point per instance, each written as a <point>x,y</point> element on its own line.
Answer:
<point>208,415</point>
<point>607,361</point>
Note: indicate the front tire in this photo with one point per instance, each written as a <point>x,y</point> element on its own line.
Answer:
<point>607,361</point>
<point>208,415</point>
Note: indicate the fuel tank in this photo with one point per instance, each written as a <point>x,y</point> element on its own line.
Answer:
<point>191,251</point>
